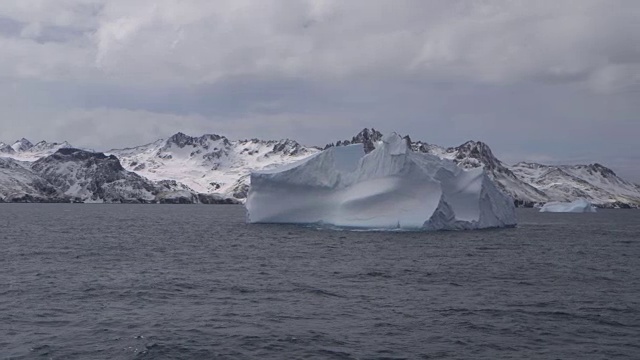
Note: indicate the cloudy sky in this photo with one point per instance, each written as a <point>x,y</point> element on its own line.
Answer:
<point>547,80</point>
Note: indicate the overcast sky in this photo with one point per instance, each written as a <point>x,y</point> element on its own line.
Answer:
<point>547,80</point>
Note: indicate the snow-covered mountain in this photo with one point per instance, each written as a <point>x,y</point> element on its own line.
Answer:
<point>210,163</point>
<point>529,184</point>
<point>22,145</point>
<point>93,177</point>
<point>75,175</point>
<point>6,149</point>
<point>210,168</point>
<point>597,183</point>
<point>24,150</point>
<point>473,154</point>
<point>19,184</point>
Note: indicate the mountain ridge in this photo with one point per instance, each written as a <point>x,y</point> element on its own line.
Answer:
<point>76,175</point>
<point>212,164</point>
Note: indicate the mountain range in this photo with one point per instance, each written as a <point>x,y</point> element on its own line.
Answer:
<point>214,169</point>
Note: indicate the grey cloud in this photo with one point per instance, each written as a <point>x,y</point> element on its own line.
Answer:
<point>195,42</point>
<point>10,27</point>
<point>58,34</point>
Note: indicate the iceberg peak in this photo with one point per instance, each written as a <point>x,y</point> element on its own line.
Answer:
<point>396,144</point>
<point>577,206</point>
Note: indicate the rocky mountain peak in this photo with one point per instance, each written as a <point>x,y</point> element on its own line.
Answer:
<point>6,149</point>
<point>367,137</point>
<point>480,152</point>
<point>423,147</point>
<point>368,134</point>
<point>602,170</point>
<point>181,140</point>
<point>78,155</point>
<point>213,137</point>
<point>288,147</point>
<point>44,146</point>
<point>22,145</point>
<point>478,147</point>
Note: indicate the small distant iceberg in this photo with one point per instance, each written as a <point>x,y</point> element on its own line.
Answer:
<point>577,206</point>
<point>390,188</point>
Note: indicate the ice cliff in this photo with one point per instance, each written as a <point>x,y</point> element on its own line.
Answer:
<point>577,206</point>
<point>391,187</point>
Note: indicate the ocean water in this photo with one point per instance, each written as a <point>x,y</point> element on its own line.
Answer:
<point>196,282</point>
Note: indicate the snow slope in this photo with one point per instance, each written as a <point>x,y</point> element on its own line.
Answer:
<point>595,183</point>
<point>22,145</point>
<point>391,187</point>
<point>209,163</point>
<point>82,176</point>
<point>5,149</point>
<point>18,183</point>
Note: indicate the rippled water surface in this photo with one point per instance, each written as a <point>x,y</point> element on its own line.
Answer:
<point>172,281</point>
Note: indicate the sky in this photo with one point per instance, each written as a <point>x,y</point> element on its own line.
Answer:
<point>552,81</point>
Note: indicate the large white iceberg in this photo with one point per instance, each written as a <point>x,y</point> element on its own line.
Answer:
<point>577,206</point>
<point>392,187</point>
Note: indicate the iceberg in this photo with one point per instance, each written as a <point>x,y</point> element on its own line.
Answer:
<point>391,187</point>
<point>577,206</point>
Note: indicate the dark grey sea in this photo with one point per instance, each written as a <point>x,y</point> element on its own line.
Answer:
<point>196,282</point>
